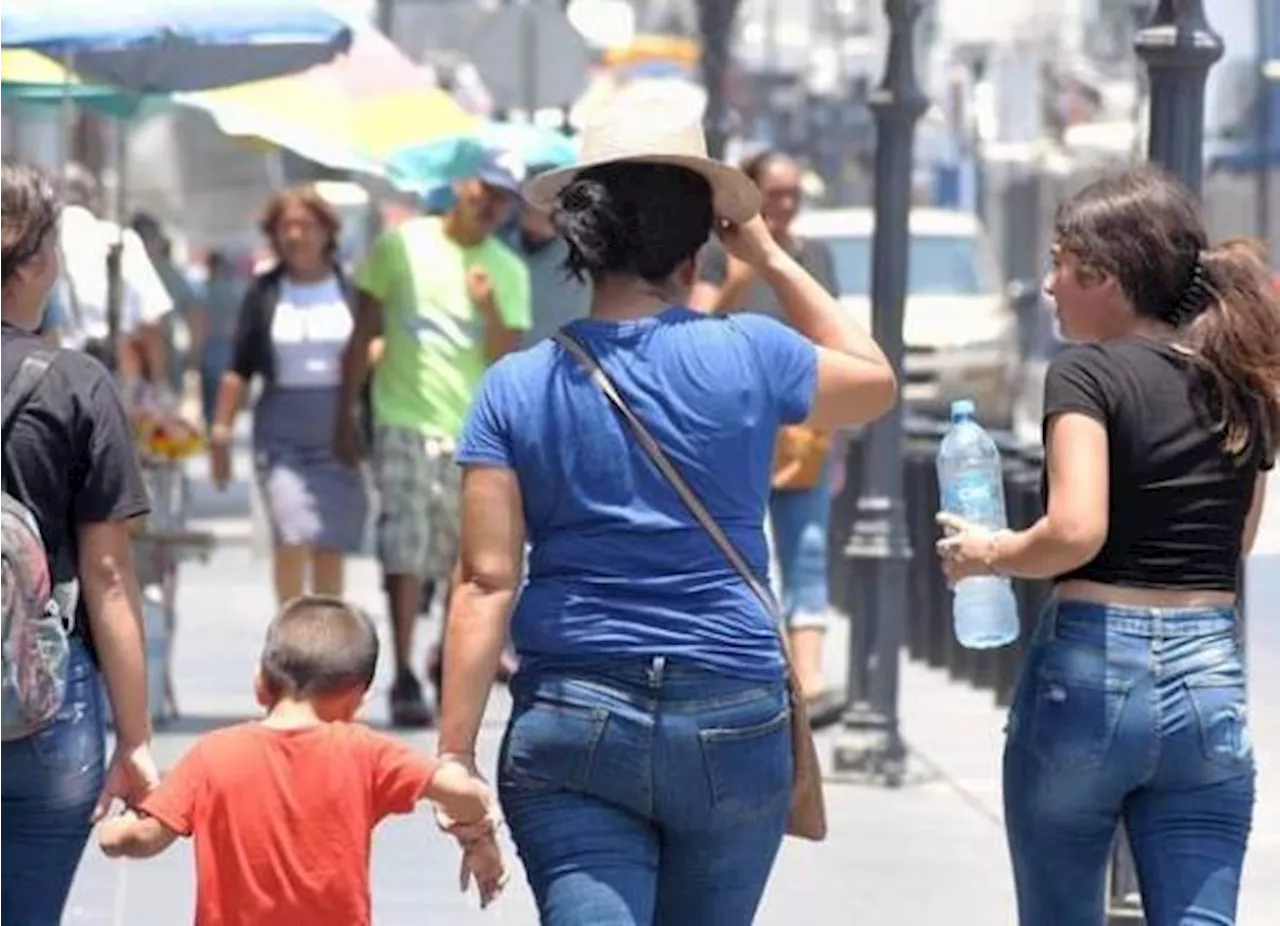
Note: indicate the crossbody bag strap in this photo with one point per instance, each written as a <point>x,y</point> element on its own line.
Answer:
<point>668,469</point>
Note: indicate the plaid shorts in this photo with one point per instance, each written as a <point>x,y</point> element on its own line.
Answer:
<point>419,488</point>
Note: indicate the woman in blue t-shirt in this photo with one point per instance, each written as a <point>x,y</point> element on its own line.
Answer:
<point>647,767</point>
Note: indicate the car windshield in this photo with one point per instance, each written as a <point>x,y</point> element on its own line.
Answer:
<point>940,265</point>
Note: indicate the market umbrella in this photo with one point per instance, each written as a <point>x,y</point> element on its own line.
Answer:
<point>28,78</point>
<point>168,46</point>
<point>346,113</point>
<point>437,163</point>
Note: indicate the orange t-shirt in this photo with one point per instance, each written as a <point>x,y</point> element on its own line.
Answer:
<point>283,819</point>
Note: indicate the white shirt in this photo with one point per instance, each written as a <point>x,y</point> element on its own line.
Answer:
<point>85,241</point>
<point>311,326</point>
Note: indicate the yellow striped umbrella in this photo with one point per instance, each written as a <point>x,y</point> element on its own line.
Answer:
<point>347,113</point>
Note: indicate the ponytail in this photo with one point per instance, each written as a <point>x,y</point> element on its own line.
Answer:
<point>1236,338</point>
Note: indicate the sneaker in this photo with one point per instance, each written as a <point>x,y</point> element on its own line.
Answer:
<point>409,709</point>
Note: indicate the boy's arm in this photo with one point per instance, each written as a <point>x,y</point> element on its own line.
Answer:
<point>134,835</point>
<point>402,777</point>
<point>465,804</point>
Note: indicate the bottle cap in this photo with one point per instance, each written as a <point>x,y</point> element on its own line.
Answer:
<point>963,408</point>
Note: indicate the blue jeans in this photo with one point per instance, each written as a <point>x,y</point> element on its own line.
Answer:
<point>646,793</point>
<point>800,519</point>
<point>50,782</point>
<point>1133,714</point>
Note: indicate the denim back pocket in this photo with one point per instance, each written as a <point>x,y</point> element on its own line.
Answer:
<point>550,745</point>
<point>1218,697</point>
<point>71,749</point>
<point>1075,715</point>
<point>749,765</point>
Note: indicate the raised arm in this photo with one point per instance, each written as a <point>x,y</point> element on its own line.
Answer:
<point>855,383</point>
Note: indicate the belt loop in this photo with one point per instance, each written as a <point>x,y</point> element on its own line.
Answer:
<point>656,668</point>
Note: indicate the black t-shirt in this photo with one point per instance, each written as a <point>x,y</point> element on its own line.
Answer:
<point>73,448</point>
<point>1178,501</point>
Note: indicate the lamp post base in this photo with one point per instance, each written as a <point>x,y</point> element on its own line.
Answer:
<point>869,742</point>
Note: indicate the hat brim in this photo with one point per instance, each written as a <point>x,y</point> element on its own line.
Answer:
<point>734,195</point>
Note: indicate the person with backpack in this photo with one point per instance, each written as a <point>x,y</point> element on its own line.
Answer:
<point>72,613</point>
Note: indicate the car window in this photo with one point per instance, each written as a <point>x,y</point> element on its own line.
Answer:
<point>940,265</point>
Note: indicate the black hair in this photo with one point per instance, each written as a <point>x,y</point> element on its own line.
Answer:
<point>633,218</point>
<point>756,166</point>
<point>31,211</point>
<point>146,224</point>
<point>319,645</point>
<point>1143,227</point>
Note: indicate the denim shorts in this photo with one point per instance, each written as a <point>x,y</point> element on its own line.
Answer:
<point>1135,715</point>
<point>646,791</point>
<point>799,521</point>
<point>50,782</point>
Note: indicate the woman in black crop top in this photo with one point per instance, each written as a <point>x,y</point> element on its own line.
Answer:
<point>1158,426</point>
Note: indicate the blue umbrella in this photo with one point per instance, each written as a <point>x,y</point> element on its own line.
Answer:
<point>439,162</point>
<point>169,46</point>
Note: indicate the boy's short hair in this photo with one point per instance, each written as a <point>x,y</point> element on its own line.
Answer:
<point>319,645</point>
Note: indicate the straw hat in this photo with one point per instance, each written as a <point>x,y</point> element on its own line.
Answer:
<point>648,123</point>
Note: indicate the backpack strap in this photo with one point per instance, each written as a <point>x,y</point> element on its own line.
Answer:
<point>17,391</point>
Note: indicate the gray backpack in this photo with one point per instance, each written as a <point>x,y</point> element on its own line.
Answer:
<point>38,613</point>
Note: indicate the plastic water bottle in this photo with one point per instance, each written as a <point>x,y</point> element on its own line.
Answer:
<point>971,481</point>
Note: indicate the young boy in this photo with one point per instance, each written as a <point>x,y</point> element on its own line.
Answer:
<point>283,810</point>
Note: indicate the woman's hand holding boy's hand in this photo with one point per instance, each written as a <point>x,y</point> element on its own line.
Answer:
<point>467,809</point>
<point>114,832</point>
<point>482,860</point>
<point>463,800</point>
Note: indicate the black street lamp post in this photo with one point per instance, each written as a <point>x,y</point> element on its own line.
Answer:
<point>879,547</point>
<point>1178,48</point>
<point>715,25</point>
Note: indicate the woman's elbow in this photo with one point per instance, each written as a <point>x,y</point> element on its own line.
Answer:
<point>488,578</point>
<point>882,393</point>
<point>105,560</point>
<point>1081,540</point>
<point>867,398</point>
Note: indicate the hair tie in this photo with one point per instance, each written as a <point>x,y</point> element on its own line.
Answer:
<point>1196,296</point>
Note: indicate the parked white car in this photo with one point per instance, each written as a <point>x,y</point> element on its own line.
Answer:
<point>960,330</point>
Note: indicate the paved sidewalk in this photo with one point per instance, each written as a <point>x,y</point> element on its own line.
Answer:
<point>921,854</point>
<point>930,852</point>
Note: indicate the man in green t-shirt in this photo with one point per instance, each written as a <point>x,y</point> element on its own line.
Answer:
<point>447,299</point>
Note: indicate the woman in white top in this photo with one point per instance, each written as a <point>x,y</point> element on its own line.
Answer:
<point>294,322</point>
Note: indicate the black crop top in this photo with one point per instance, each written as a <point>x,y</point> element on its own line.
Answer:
<point>1178,502</point>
